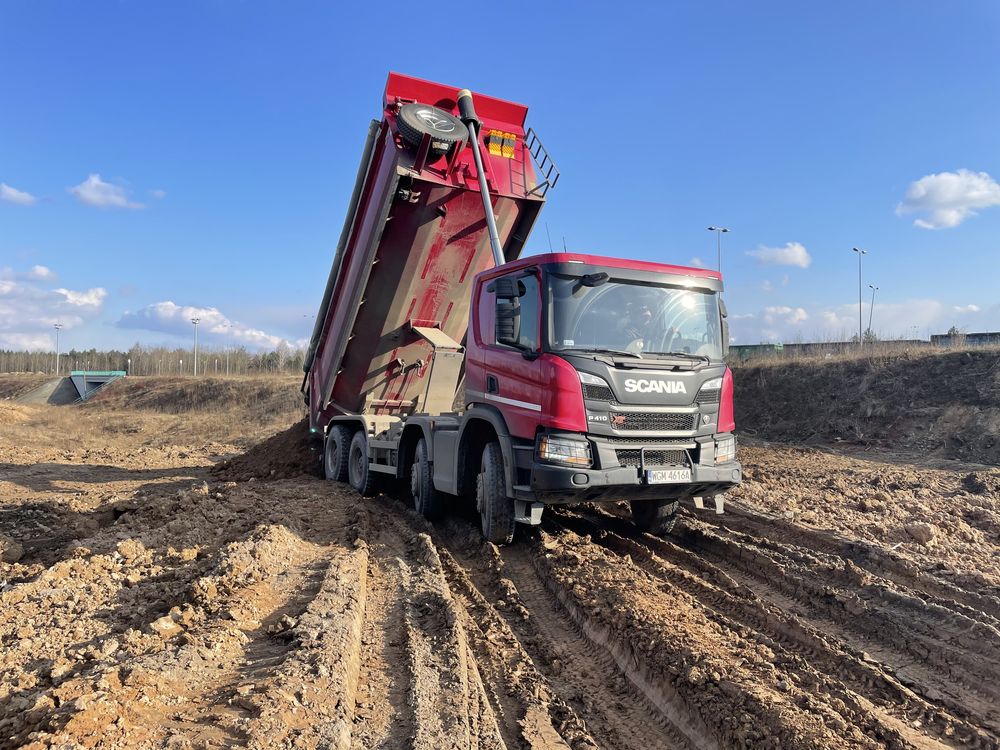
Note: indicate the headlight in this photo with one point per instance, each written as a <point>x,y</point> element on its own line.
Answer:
<point>715,384</point>
<point>564,450</point>
<point>725,449</point>
<point>586,377</point>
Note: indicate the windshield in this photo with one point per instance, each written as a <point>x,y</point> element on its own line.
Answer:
<point>632,317</point>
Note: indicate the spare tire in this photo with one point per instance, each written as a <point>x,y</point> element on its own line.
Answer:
<point>416,120</point>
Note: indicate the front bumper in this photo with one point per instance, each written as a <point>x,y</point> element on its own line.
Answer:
<point>553,484</point>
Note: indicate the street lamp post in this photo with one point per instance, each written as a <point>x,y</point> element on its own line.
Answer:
<point>195,321</point>
<point>860,253</point>
<point>719,231</point>
<point>229,344</point>
<point>871,310</point>
<point>58,327</point>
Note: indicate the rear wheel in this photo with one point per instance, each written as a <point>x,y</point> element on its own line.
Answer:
<point>655,516</point>
<point>361,478</point>
<point>495,509</point>
<point>338,445</point>
<point>428,501</point>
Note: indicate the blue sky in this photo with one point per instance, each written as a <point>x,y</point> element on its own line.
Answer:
<point>226,135</point>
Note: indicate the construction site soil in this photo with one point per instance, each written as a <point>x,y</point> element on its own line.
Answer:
<point>164,592</point>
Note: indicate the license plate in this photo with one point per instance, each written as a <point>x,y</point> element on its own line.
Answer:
<point>667,476</point>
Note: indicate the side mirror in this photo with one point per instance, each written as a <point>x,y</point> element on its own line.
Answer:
<point>507,288</point>
<point>725,337</point>
<point>508,322</point>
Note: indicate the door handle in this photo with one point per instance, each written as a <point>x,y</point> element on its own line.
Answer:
<point>492,386</point>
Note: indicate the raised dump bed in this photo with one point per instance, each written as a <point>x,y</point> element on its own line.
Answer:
<point>414,238</point>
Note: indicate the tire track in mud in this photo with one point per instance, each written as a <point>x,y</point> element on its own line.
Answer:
<point>581,672</point>
<point>958,674</point>
<point>875,697</point>
<point>956,594</point>
<point>447,702</point>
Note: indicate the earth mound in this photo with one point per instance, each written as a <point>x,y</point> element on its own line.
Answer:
<point>941,404</point>
<point>290,453</point>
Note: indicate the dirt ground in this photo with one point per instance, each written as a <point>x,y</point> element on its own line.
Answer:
<point>153,596</point>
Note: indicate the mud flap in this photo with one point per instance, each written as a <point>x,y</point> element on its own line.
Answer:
<point>699,503</point>
<point>720,504</point>
<point>526,512</point>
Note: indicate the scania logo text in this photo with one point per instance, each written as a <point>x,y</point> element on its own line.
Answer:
<point>633,385</point>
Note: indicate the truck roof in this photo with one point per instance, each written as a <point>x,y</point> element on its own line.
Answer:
<point>601,260</point>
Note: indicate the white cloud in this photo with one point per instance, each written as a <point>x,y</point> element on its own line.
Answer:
<point>909,319</point>
<point>28,309</point>
<point>40,272</point>
<point>792,254</point>
<point>697,262</point>
<point>13,195</point>
<point>158,194</point>
<point>946,199</point>
<point>96,192</point>
<point>766,286</point>
<point>168,317</point>
<point>92,298</point>
<point>785,280</point>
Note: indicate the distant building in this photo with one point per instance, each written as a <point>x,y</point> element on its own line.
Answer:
<point>984,338</point>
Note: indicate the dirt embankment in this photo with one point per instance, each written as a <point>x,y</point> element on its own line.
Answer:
<point>148,605</point>
<point>255,396</point>
<point>14,385</point>
<point>941,404</point>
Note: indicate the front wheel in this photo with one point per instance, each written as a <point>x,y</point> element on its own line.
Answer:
<point>654,516</point>
<point>361,477</point>
<point>495,509</point>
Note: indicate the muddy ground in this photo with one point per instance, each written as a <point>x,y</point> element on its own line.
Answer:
<point>149,601</point>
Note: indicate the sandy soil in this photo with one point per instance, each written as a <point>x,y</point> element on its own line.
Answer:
<point>148,601</point>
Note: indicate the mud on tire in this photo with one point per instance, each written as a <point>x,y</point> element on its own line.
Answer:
<point>654,516</point>
<point>335,452</point>
<point>429,503</point>
<point>495,509</point>
<point>361,478</point>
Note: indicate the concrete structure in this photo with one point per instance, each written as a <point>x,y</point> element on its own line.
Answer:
<point>88,382</point>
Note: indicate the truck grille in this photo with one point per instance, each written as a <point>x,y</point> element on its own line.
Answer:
<point>632,457</point>
<point>653,422</point>
<point>597,392</point>
<point>707,397</point>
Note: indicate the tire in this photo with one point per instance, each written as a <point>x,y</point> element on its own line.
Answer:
<point>654,516</point>
<point>428,501</point>
<point>445,130</point>
<point>338,445</point>
<point>495,509</point>
<point>361,479</point>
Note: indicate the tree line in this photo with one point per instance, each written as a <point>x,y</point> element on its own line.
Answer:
<point>143,360</point>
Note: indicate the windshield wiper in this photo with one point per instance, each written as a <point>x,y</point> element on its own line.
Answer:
<point>602,350</point>
<point>685,355</point>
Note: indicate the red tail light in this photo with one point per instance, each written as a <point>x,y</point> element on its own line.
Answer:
<point>727,420</point>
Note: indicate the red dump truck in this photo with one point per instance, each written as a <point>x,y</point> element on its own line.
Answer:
<point>444,362</point>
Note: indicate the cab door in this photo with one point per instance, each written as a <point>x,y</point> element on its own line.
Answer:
<point>510,374</point>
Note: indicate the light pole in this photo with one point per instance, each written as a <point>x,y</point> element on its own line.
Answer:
<point>58,327</point>
<point>860,253</point>
<point>871,310</point>
<point>229,344</point>
<point>196,321</point>
<point>719,231</point>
